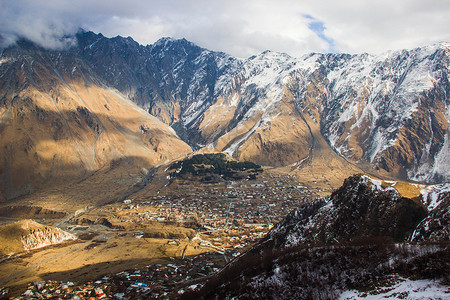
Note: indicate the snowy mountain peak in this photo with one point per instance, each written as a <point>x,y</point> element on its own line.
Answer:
<point>386,112</point>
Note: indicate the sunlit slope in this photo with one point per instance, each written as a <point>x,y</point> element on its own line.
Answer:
<point>58,126</point>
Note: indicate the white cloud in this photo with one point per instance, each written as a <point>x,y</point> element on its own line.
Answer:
<point>376,26</point>
<point>241,28</point>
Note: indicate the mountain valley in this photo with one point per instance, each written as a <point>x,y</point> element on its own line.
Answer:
<point>170,168</point>
<point>320,114</point>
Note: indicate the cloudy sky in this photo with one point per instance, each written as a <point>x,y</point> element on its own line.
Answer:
<point>238,27</point>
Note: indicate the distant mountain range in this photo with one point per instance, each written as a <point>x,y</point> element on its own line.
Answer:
<point>68,113</point>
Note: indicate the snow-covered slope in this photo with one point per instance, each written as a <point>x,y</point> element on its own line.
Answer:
<point>436,226</point>
<point>401,288</point>
<point>391,110</point>
<point>385,112</point>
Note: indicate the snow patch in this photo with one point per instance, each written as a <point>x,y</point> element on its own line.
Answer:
<point>441,162</point>
<point>376,185</point>
<point>235,146</point>
<point>404,289</point>
<point>432,193</point>
<point>4,60</point>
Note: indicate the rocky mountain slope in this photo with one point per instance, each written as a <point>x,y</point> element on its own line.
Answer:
<point>390,110</point>
<point>72,112</point>
<point>364,207</point>
<point>356,242</point>
<point>28,235</point>
<point>61,122</point>
<point>436,226</point>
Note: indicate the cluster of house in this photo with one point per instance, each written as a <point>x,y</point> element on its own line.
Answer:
<point>152,282</point>
<point>249,202</point>
<point>236,213</point>
<point>66,290</point>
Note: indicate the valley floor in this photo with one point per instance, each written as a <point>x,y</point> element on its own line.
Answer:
<point>195,227</point>
<point>168,235</point>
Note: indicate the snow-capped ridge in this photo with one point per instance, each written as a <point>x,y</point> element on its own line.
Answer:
<point>389,110</point>
<point>433,195</point>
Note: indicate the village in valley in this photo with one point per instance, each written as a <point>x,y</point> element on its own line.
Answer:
<point>201,226</point>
